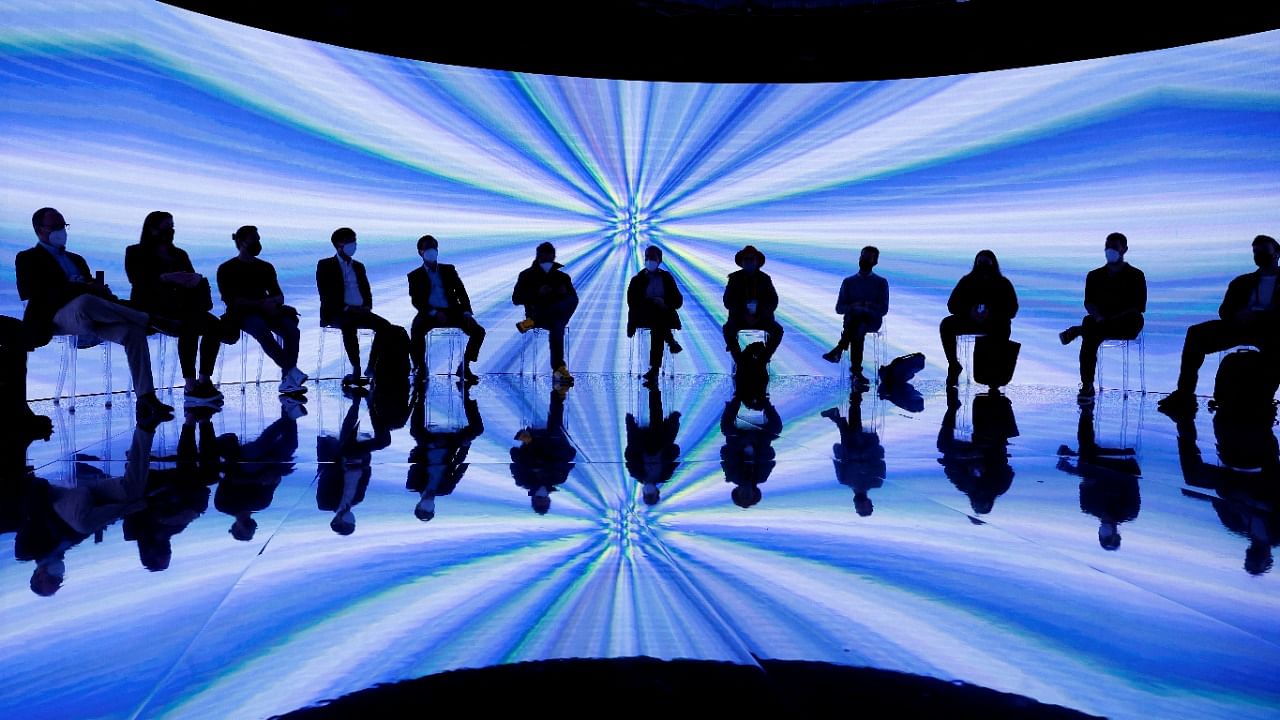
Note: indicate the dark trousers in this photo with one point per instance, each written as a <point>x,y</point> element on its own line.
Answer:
<point>1215,336</point>
<point>424,323</point>
<point>201,333</point>
<point>553,317</point>
<point>953,325</point>
<point>1093,332</point>
<point>351,320</point>
<point>770,326</point>
<point>266,328</point>
<point>854,336</point>
<point>658,337</point>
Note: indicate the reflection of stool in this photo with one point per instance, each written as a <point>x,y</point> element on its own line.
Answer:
<point>448,343</point>
<point>1124,345</point>
<point>748,336</point>
<point>964,349</point>
<point>246,341</point>
<point>638,355</point>
<point>345,368</point>
<point>71,344</point>
<point>535,342</point>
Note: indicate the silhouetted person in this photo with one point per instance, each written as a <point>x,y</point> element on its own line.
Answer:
<point>346,465</point>
<point>549,301</point>
<point>22,424</point>
<point>441,301</point>
<point>1249,315</point>
<point>346,301</point>
<point>747,457</point>
<point>1115,296</point>
<point>652,454</point>
<point>751,300</point>
<point>979,468</point>
<point>652,302</point>
<point>255,304</point>
<point>863,301</point>
<point>256,468</point>
<point>165,284</point>
<point>982,303</point>
<point>858,457</point>
<point>1108,476</point>
<point>176,495</point>
<point>1247,482</point>
<point>438,459</point>
<point>544,458</point>
<point>65,298</point>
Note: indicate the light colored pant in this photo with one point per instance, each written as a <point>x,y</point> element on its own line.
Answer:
<point>113,322</point>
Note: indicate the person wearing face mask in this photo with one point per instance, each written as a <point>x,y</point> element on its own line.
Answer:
<point>1249,315</point>
<point>346,301</point>
<point>64,297</point>
<point>165,283</point>
<point>1115,296</point>
<point>441,301</point>
<point>863,301</point>
<point>549,301</point>
<point>255,304</point>
<point>982,303</point>
<point>652,302</point>
<point>751,301</point>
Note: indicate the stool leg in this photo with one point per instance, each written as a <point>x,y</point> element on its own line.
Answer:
<point>75,349</point>
<point>106,370</point>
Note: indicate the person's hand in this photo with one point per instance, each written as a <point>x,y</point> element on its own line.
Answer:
<point>978,313</point>
<point>544,290</point>
<point>659,302</point>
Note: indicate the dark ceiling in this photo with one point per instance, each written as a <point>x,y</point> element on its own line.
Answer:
<point>751,40</point>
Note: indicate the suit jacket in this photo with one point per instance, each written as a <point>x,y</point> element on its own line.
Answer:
<point>45,287</point>
<point>329,283</point>
<point>454,292</point>
<point>643,314</point>
<point>1240,295</point>
<point>745,286</point>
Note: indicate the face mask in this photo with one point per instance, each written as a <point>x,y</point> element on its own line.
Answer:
<point>546,266</point>
<point>865,265</point>
<point>1113,256</point>
<point>58,238</point>
<point>430,255</point>
<point>651,265</point>
<point>349,249</point>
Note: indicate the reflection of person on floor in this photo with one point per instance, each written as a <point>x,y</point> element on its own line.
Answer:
<point>65,298</point>
<point>549,300</point>
<point>751,300</point>
<point>979,468</point>
<point>747,457</point>
<point>651,453</point>
<point>1115,296</point>
<point>1249,315</point>
<point>858,457</point>
<point>544,458</point>
<point>22,425</point>
<point>177,495</point>
<point>346,464</point>
<point>1108,480</point>
<point>1247,483</point>
<point>441,300</point>
<point>438,459</point>
<point>982,303</point>
<point>652,302</point>
<point>255,469</point>
<point>57,518</point>
<point>863,301</point>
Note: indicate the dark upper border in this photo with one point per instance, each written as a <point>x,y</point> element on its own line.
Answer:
<point>750,40</point>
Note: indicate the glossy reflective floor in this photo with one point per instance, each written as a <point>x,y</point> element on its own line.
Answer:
<point>266,558</point>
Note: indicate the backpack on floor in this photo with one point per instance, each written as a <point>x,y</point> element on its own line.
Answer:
<point>1246,383</point>
<point>389,356</point>
<point>901,369</point>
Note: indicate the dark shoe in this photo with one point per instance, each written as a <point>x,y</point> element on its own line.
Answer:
<point>953,374</point>
<point>953,398</point>
<point>651,375</point>
<point>1068,335</point>
<point>203,394</point>
<point>151,411</point>
<point>154,403</point>
<point>831,356</point>
<point>674,347</point>
<point>860,380</point>
<point>831,413</point>
<point>1178,405</point>
<point>467,376</point>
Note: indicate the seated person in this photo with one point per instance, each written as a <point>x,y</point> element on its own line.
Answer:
<point>751,301</point>
<point>346,301</point>
<point>255,304</point>
<point>441,301</point>
<point>652,302</point>
<point>982,303</point>
<point>164,283</point>
<point>549,301</point>
<point>1249,315</point>
<point>863,301</point>
<point>1115,296</point>
<point>65,298</point>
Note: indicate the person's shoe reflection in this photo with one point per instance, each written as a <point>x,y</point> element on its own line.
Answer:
<point>747,457</point>
<point>438,459</point>
<point>651,453</point>
<point>858,457</point>
<point>1108,476</point>
<point>544,458</point>
<point>979,467</point>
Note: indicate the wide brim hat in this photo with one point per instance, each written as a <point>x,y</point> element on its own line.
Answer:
<point>746,252</point>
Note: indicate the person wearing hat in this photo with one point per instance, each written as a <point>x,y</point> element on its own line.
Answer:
<point>549,301</point>
<point>652,301</point>
<point>751,300</point>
